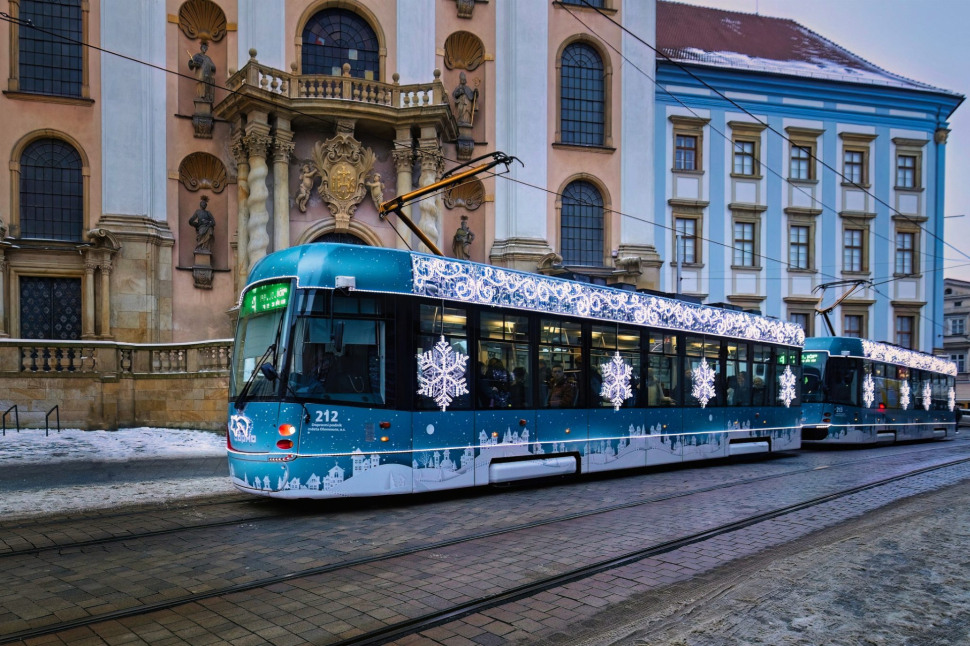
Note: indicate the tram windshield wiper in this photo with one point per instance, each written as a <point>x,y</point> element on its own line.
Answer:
<point>242,399</point>
<point>271,375</point>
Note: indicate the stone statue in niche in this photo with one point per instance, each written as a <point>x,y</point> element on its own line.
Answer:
<point>376,188</point>
<point>466,99</point>
<point>205,72</point>
<point>3,230</point>
<point>204,225</point>
<point>307,174</point>
<point>463,239</point>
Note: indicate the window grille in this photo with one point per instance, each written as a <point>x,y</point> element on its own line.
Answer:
<point>581,228</point>
<point>583,100</point>
<point>51,191</point>
<point>333,37</point>
<point>50,63</point>
<point>50,308</point>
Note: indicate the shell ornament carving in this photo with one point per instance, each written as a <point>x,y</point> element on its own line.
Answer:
<point>202,19</point>
<point>463,51</point>
<point>469,195</point>
<point>203,171</point>
<point>343,164</point>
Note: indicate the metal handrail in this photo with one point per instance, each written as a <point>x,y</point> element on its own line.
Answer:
<point>16,414</point>
<point>47,420</point>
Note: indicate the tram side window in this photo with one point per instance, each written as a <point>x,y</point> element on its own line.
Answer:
<point>791,358</point>
<point>560,363</point>
<point>939,392</point>
<point>813,384</point>
<point>503,362</point>
<point>738,372</point>
<point>842,380</point>
<point>350,371</point>
<point>660,387</point>
<point>435,321</point>
<point>606,341</point>
<point>890,386</point>
<point>698,350</point>
<point>763,386</point>
<point>903,374</point>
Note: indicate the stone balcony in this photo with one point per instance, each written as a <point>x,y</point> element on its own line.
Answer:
<point>303,98</point>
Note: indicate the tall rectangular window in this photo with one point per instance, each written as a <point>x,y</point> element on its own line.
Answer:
<point>852,166</point>
<point>744,158</point>
<point>904,253</point>
<point>800,162</point>
<point>51,60</point>
<point>686,154</point>
<point>957,325</point>
<point>852,250</point>
<point>906,171</point>
<point>852,326</point>
<point>801,320</point>
<point>687,244</point>
<point>904,331</point>
<point>960,360</point>
<point>798,247</point>
<point>744,244</point>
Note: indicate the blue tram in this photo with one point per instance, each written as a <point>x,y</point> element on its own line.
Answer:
<point>360,371</point>
<point>857,391</point>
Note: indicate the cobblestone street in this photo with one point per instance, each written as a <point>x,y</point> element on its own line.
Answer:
<point>522,565</point>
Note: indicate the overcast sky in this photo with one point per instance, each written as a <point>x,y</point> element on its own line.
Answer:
<point>925,40</point>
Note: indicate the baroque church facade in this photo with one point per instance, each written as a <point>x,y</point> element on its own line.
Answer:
<point>159,148</point>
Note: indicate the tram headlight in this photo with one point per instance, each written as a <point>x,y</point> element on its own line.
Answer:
<point>287,429</point>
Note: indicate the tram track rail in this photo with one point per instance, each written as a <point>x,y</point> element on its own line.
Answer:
<point>430,620</point>
<point>121,538</point>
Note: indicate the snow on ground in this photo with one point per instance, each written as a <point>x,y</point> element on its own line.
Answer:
<point>128,444</point>
<point>18,504</point>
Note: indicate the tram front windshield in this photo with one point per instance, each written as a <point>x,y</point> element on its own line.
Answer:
<point>260,319</point>
<point>828,379</point>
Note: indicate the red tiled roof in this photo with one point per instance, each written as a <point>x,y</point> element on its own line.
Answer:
<point>719,38</point>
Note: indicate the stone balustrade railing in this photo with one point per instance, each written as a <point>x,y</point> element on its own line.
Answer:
<point>344,87</point>
<point>57,358</point>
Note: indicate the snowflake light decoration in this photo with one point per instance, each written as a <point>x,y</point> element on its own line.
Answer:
<point>616,381</point>
<point>904,395</point>
<point>441,373</point>
<point>703,378</point>
<point>868,391</point>
<point>241,428</point>
<point>951,399</point>
<point>927,395</point>
<point>787,391</point>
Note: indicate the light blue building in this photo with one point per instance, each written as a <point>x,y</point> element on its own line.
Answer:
<point>843,177</point>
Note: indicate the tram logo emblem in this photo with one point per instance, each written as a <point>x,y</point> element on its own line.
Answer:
<point>241,428</point>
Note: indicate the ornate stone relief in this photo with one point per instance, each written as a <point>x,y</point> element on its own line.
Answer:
<point>469,194</point>
<point>467,7</point>
<point>463,51</point>
<point>203,171</point>
<point>202,19</point>
<point>343,165</point>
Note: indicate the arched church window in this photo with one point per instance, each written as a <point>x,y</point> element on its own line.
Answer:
<point>51,191</point>
<point>342,238</point>
<point>583,96</point>
<point>50,55</point>
<point>581,225</point>
<point>333,37</point>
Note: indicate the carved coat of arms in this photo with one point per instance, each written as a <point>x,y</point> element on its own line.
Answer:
<point>343,165</point>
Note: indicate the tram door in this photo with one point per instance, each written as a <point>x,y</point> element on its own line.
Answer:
<point>504,391</point>
<point>562,420</point>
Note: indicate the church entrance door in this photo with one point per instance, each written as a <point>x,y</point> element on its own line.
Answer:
<point>50,308</point>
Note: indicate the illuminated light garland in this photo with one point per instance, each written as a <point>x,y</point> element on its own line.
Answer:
<point>487,285</point>
<point>787,390</point>
<point>241,428</point>
<point>902,357</point>
<point>927,395</point>
<point>703,378</point>
<point>868,391</point>
<point>616,381</point>
<point>904,395</point>
<point>441,373</point>
<point>951,399</point>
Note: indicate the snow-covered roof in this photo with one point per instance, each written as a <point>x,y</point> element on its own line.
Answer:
<point>736,40</point>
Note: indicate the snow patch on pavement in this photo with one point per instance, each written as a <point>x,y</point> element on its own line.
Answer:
<point>31,446</point>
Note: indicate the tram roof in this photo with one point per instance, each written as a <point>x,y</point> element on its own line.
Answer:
<point>376,269</point>
<point>884,352</point>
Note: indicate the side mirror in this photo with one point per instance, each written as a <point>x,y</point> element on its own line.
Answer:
<point>269,372</point>
<point>338,337</point>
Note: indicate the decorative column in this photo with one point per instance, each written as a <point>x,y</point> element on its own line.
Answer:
<point>240,154</point>
<point>13,81</point>
<point>282,149</point>
<point>257,142</point>
<point>87,323</point>
<point>3,283</point>
<point>105,297</point>
<point>430,157</point>
<point>403,164</point>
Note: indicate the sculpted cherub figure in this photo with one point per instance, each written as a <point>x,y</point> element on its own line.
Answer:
<point>307,173</point>
<point>376,188</point>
